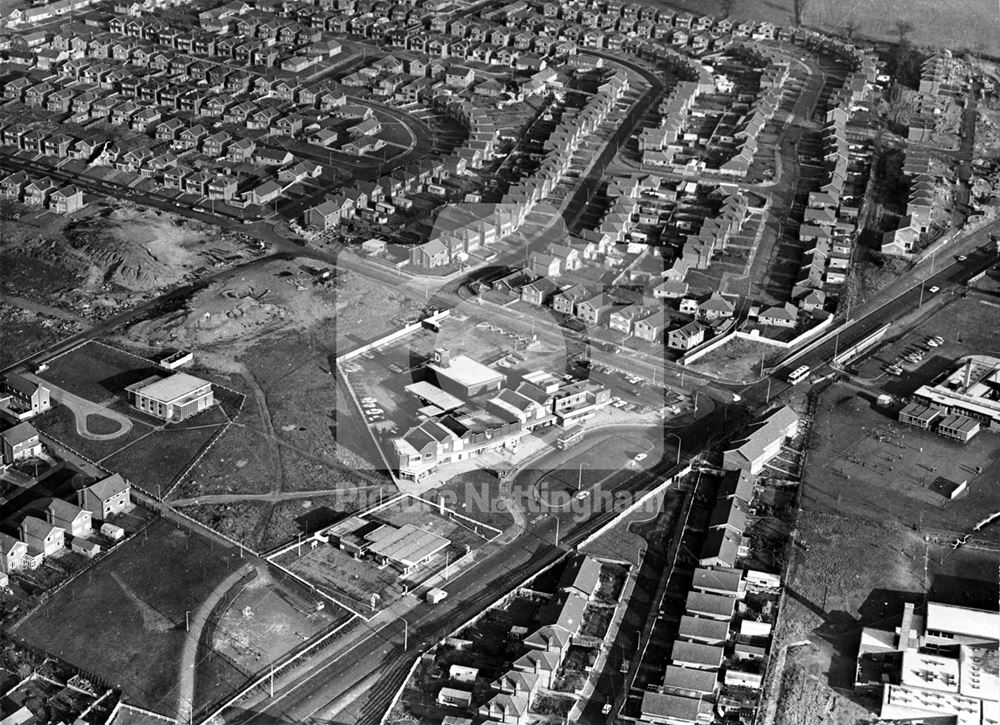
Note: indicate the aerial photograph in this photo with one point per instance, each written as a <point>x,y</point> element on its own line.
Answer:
<point>499,362</point>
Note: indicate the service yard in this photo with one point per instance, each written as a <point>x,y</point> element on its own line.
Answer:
<point>136,599</point>
<point>353,581</point>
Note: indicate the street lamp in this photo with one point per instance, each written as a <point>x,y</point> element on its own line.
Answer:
<point>679,442</point>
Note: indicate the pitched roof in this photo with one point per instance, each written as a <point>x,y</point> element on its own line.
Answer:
<point>20,433</point>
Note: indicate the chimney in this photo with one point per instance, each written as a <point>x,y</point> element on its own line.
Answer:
<point>441,505</point>
<point>968,374</point>
<point>905,626</point>
<point>442,357</point>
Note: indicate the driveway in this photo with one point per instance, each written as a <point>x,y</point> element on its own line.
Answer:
<point>81,408</point>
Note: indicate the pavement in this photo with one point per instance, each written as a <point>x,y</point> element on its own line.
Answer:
<point>81,408</point>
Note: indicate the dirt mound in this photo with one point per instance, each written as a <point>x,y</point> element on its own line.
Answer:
<point>136,250</point>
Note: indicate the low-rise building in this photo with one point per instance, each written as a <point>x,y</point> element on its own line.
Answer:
<point>173,398</point>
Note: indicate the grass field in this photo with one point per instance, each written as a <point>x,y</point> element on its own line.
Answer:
<point>968,24</point>
<point>97,372</point>
<point>60,423</point>
<point>156,461</point>
<point>738,360</point>
<point>124,619</point>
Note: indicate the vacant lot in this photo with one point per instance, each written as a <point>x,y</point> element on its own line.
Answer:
<point>263,525</point>
<point>738,360</point>
<point>24,332</point>
<point>267,619</point>
<point>136,599</point>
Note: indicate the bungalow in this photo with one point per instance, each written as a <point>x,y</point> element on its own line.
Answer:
<point>715,307</point>
<point>263,194</point>
<point>785,315</point>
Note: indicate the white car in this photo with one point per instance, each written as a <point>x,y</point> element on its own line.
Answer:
<point>640,457</point>
<point>961,258</point>
<point>606,709</point>
<point>934,290</point>
<point>939,340</point>
<point>580,495</point>
<point>932,343</point>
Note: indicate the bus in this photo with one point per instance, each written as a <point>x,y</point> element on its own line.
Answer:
<point>798,374</point>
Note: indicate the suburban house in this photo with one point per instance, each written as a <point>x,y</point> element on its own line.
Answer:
<point>173,398</point>
<point>687,337</point>
<point>25,396</point>
<point>20,442</point>
<point>41,536</point>
<point>106,497</point>
<point>74,520</point>
<point>539,292</point>
<point>12,553</point>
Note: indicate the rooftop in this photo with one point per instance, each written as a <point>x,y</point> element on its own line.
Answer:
<point>466,371</point>
<point>407,545</point>
<point>171,389</point>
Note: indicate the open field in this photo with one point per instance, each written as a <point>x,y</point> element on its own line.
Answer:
<point>863,462</point>
<point>967,24</point>
<point>266,619</point>
<point>137,599</point>
<point>60,423</point>
<point>98,372</point>
<point>157,460</point>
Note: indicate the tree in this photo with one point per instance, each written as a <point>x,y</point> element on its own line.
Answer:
<point>903,30</point>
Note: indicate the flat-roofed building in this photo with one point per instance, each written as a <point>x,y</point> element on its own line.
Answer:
<point>404,548</point>
<point>919,415</point>
<point>462,376</point>
<point>172,398</point>
<point>433,395</point>
<point>958,427</point>
<point>972,390</point>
